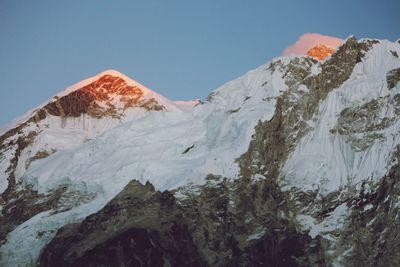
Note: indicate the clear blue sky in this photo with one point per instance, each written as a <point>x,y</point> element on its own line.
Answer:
<point>181,49</point>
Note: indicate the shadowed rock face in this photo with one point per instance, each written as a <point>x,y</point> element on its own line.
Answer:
<point>142,227</point>
<point>373,228</point>
<point>362,126</point>
<point>392,78</point>
<point>275,139</point>
<point>15,208</point>
<point>139,227</point>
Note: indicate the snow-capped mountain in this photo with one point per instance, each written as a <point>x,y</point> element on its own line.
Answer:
<point>76,115</point>
<point>283,166</point>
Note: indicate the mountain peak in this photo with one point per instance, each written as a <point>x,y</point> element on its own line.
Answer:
<point>320,51</point>
<point>111,85</point>
<point>103,78</point>
<point>107,94</point>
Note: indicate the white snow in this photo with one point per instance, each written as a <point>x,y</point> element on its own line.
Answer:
<point>147,146</point>
<point>58,134</point>
<point>150,148</point>
<point>24,244</point>
<point>187,105</point>
<point>326,161</point>
<point>257,235</point>
<point>332,222</point>
<point>368,207</point>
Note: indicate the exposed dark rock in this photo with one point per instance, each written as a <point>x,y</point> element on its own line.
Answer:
<point>71,105</point>
<point>364,118</point>
<point>84,100</point>
<point>139,227</point>
<point>274,140</point>
<point>227,223</point>
<point>233,110</point>
<point>392,78</point>
<point>337,69</point>
<point>210,97</point>
<point>152,104</point>
<point>24,205</point>
<point>366,45</point>
<point>188,149</point>
<point>362,124</point>
<point>41,154</point>
<point>22,142</point>
<point>373,230</point>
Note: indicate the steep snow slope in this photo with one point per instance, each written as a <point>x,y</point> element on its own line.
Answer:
<point>340,151</point>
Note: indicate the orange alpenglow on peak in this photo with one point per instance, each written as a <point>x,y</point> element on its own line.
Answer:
<point>109,84</point>
<point>320,52</point>
<point>105,95</point>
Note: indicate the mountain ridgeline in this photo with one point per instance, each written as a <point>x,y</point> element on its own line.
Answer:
<point>296,163</point>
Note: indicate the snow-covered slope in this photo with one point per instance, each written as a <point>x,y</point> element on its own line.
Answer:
<point>170,149</point>
<point>77,114</point>
<point>332,124</point>
<point>355,131</point>
<point>152,148</point>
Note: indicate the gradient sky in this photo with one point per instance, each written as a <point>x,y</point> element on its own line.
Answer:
<point>181,49</point>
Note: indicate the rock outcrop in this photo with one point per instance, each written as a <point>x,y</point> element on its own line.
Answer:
<point>97,99</point>
<point>139,227</point>
<point>320,52</point>
<point>392,78</point>
<point>241,223</point>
